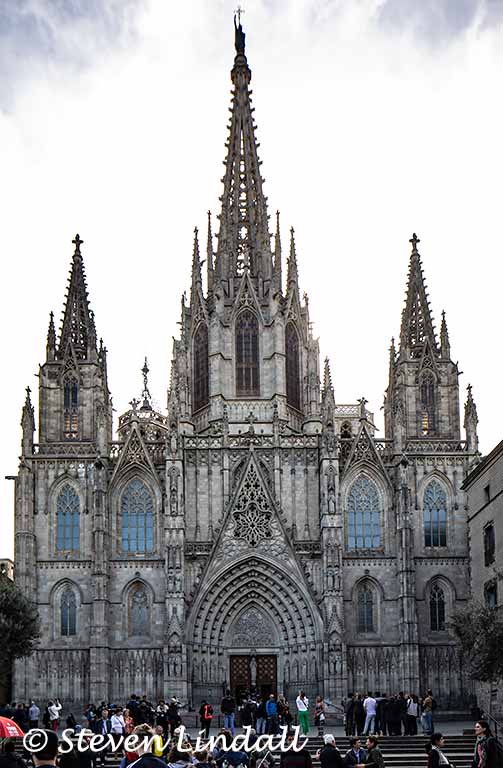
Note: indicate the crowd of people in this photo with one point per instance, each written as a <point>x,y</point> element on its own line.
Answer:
<point>366,718</point>
<point>395,715</point>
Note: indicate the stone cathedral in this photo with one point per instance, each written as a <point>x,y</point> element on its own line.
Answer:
<point>257,534</point>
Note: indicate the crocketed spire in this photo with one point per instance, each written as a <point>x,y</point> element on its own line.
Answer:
<point>77,329</point>
<point>417,324</point>
<point>244,241</point>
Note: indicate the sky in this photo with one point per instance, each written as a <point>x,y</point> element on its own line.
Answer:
<point>376,118</point>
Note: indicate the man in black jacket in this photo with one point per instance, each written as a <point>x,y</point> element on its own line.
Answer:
<point>227,708</point>
<point>356,756</point>
<point>329,756</point>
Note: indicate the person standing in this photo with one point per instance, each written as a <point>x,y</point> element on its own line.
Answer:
<point>329,756</point>
<point>427,715</point>
<point>261,717</point>
<point>302,703</point>
<point>33,715</point>
<point>271,709</point>
<point>54,708</point>
<point>291,759</point>
<point>359,714</point>
<point>349,715</point>
<point>206,716</point>
<point>374,754</point>
<point>412,714</point>
<point>117,727</point>
<point>228,708</point>
<point>370,707</point>
<point>402,701</point>
<point>319,714</point>
<point>356,755</point>
<point>488,750</point>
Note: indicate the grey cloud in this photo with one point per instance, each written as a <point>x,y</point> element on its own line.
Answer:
<point>40,33</point>
<point>439,21</point>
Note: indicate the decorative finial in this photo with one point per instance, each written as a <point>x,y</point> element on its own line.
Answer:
<point>239,35</point>
<point>134,403</point>
<point>145,393</point>
<point>28,393</point>
<point>77,242</point>
<point>414,240</point>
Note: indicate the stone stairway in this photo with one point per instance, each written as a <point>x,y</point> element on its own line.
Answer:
<point>398,751</point>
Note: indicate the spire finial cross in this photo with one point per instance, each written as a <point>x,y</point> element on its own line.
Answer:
<point>77,242</point>
<point>238,13</point>
<point>414,240</point>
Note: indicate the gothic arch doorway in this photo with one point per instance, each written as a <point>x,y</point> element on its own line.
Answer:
<point>254,607</point>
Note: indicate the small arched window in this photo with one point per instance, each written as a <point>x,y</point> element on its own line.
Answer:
<point>67,519</point>
<point>137,518</point>
<point>437,609</point>
<point>201,367</point>
<point>292,366</point>
<point>363,515</point>
<point>366,609</point>
<point>71,409</point>
<point>435,515</point>
<point>427,404</point>
<point>247,355</point>
<point>139,612</point>
<point>68,613</point>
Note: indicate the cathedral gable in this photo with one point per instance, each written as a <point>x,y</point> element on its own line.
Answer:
<point>134,454</point>
<point>364,450</point>
<point>246,298</point>
<point>252,524</point>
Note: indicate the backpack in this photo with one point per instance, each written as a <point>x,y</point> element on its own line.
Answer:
<point>498,751</point>
<point>433,704</point>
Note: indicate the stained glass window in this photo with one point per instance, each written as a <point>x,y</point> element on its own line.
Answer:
<point>139,612</point>
<point>437,609</point>
<point>68,610</point>
<point>247,355</point>
<point>435,515</point>
<point>427,395</point>
<point>292,366</point>
<point>201,370</point>
<point>366,621</point>
<point>67,519</point>
<point>71,409</point>
<point>137,518</point>
<point>364,529</point>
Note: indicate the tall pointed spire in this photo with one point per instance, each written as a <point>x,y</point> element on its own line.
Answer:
<point>209,256</point>
<point>392,359</point>
<point>28,424</point>
<point>277,256</point>
<point>51,339</point>
<point>292,275</point>
<point>417,324</point>
<point>77,329</point>
<point>196,267</point>
<point>243,240</point>
<point>471,421</point>
<point>445,346</point>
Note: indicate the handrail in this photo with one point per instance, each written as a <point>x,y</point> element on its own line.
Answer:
<point>488,716</point>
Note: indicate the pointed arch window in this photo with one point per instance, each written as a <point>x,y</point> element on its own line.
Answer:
<point>427,405</point>
<point>201,367</point>
<point>71,409</point>
<point>435,515</point>
<point>67,520</point>
<point>68,613</point>
<point>437,609</point>
<point>139,612</point>
<point>292,366</point>
<point>247,355</point>
<point>363,515</point>
<point>137,518</point>
<point>366,609</point>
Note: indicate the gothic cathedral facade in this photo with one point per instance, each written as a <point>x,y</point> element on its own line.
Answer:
<point>258,534</point>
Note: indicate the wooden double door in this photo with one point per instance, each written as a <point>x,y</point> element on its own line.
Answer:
<point>253,674</point>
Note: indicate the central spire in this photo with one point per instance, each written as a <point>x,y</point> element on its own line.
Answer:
<point>244,242</point>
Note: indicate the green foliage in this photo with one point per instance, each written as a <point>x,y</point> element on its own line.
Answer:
<point>19,625</point>
<point>479,632</point>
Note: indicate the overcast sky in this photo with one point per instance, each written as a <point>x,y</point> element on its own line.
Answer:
<point>376,118</point>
